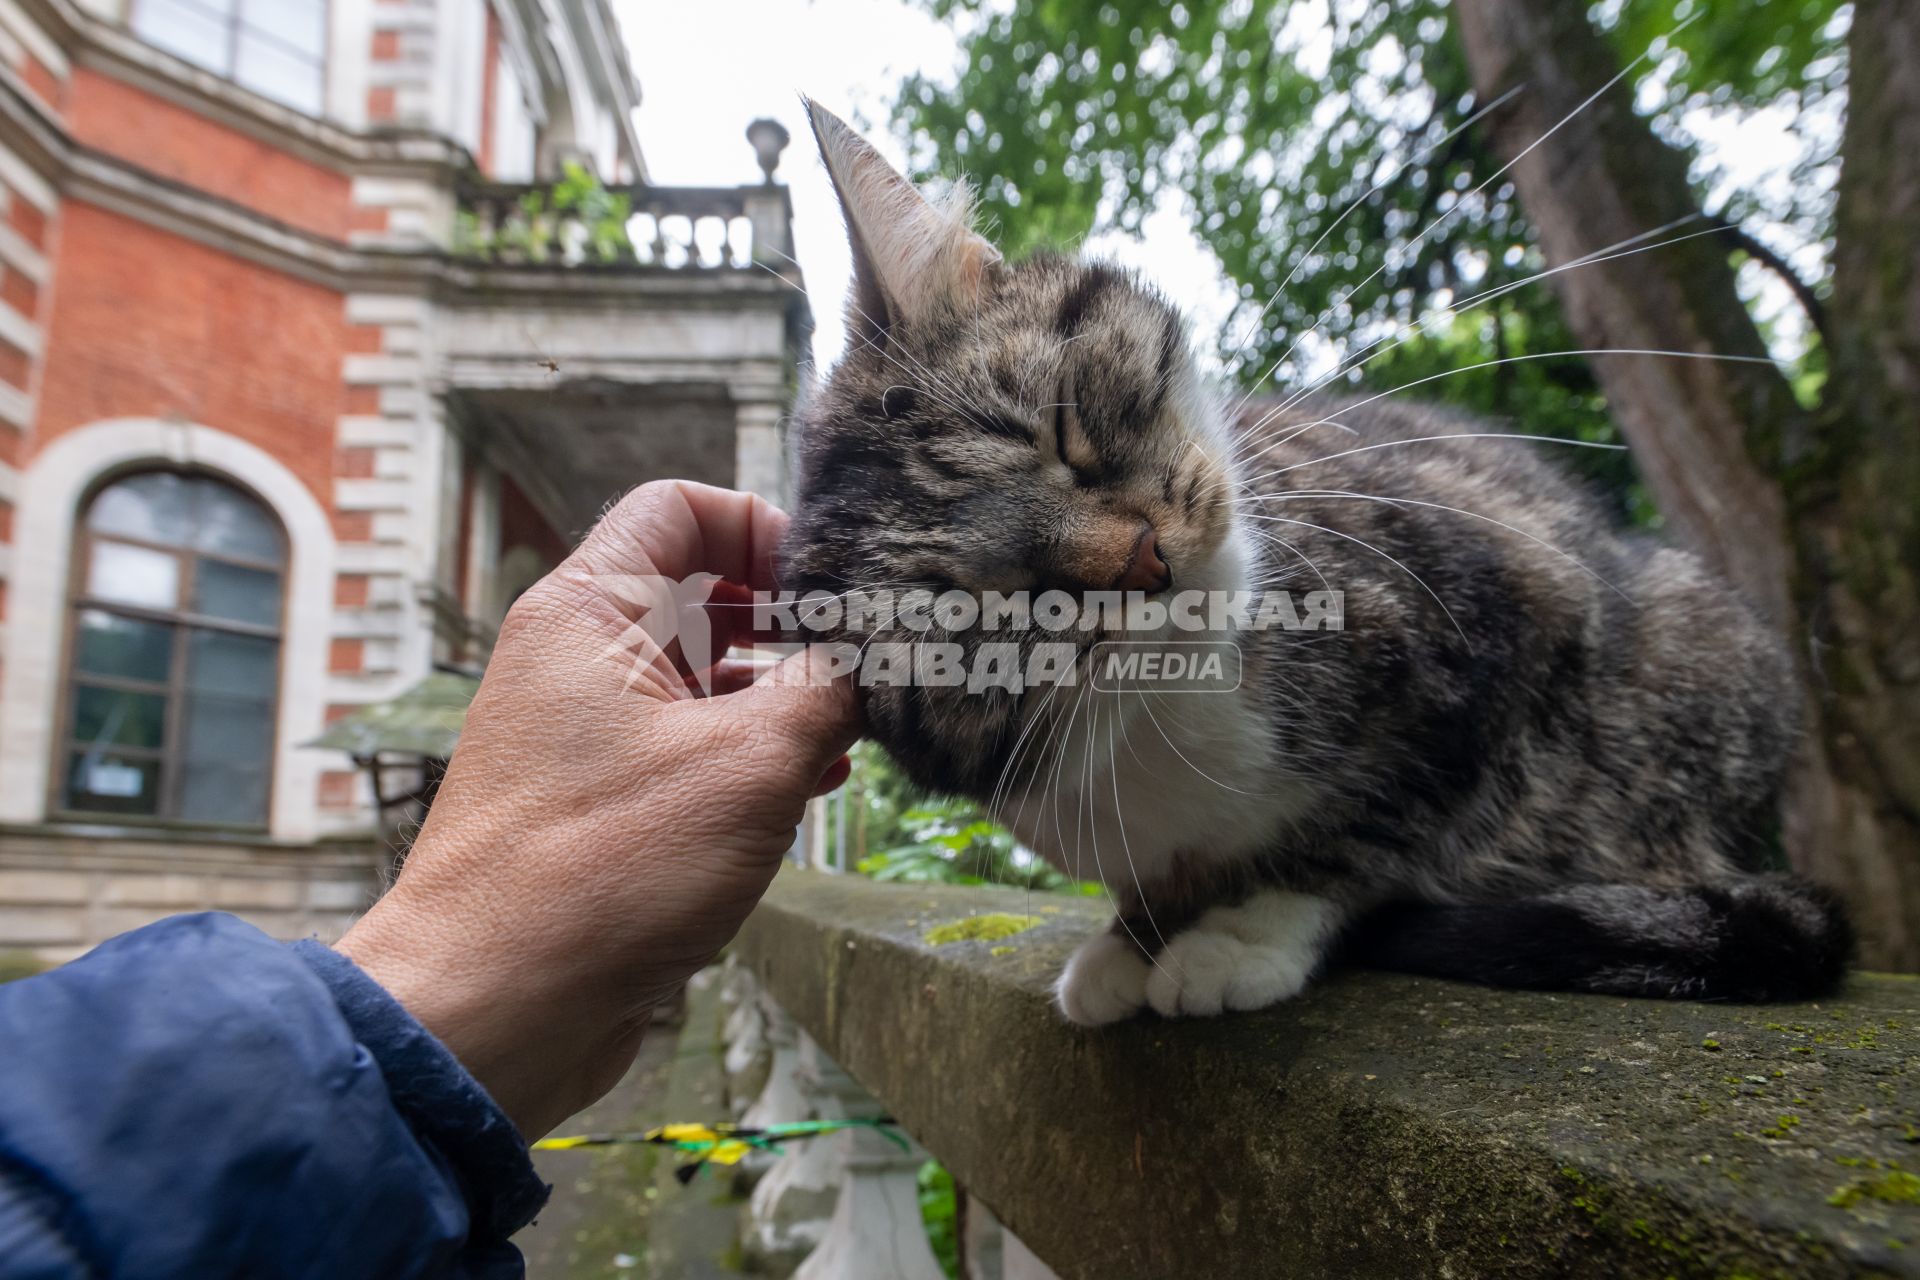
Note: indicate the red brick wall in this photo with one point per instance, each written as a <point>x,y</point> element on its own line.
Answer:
<point>174,143</point>
<point>145,324</point>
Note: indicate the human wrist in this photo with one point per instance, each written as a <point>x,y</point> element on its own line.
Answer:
<point>446,1105</point>
<point>538,1055</point>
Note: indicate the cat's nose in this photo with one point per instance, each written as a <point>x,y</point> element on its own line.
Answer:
<point>1145,571</point>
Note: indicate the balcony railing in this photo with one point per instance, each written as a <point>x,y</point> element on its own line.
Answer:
<point>1379,1126</point>
<point>576,222</point>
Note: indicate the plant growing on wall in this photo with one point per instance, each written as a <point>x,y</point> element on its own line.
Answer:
<point>574,221</point>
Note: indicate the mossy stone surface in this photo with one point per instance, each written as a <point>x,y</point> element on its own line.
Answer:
<point>1379,1125</point>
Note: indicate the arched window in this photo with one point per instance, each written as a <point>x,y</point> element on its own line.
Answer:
<point>174,656</point>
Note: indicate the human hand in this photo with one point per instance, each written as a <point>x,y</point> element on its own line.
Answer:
<point>603,830</point>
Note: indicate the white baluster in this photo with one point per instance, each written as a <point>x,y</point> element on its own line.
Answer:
<point>794,1202</point>
<point>782,1100</point>
<point>749,1056</point>
<point>876,1232</point>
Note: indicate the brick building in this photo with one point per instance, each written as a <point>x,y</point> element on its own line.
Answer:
<point>307,366</point>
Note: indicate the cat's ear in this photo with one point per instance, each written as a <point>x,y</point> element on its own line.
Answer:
<point>913,260</point>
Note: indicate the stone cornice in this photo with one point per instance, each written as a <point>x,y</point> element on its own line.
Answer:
<point>1374,1126</point>
<point>85,173</point>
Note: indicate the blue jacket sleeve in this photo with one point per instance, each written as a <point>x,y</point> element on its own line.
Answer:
<point>196,1099</point>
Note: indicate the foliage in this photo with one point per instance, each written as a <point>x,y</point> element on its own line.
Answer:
<point>924,839</point>
<point>1269,118</point>
<point>948,842</point>
<point>538,229</point>
<point>940,1211</point>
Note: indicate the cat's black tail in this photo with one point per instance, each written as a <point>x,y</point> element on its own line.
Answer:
<point>1762,938</point>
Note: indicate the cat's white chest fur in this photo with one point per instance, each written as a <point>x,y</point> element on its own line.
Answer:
<point>1114,782</point>
<point>1131,779</point>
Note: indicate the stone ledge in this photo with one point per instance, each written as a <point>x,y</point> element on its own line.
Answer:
<point>1379,1126</point>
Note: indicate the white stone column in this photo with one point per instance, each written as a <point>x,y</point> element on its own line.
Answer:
<point>749,1054</point>
<point>782,1100</point>
<point>759,453</point>
<point>876,1232</point>
<point>794,1202</point>
<point>769,212</point>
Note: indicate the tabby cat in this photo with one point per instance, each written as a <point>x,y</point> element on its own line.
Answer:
<point>1535,753</point>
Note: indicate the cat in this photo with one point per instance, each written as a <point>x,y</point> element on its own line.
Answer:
<point>1536,752</point>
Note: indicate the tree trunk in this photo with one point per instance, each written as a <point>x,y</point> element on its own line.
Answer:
<point>1812,516</point>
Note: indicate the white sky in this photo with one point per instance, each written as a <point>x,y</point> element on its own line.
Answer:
<point>706,69</point>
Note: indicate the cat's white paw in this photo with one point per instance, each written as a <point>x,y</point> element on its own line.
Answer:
<point>1105,981</point>
<point>1249,956</point>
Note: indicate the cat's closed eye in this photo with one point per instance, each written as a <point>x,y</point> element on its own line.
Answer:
<point>1070,442</point>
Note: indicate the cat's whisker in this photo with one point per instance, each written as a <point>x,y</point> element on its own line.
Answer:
<point>1245,437</point>
<point>1384,556</point>
<point>952,394</point>
<point>1409,332</point>
<point>1120,821</point>
<point>1139,890</point>
<point>1267,535</point>
<point>1401,250</point>
<point>1147,703</point>
<point>1047,748</point>
<point>1059,763</point>
<point>1021,744</point>
<point>1093,836</point>
<point>1453,435</point>
<point>814,603</point>
<point>1506,360</point>
<point>1575,561</point>
<point>1371,192</point>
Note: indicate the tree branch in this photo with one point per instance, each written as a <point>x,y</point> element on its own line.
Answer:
<point>1810,303</point>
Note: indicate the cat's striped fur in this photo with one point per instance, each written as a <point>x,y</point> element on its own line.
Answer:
<point>1540,752</point>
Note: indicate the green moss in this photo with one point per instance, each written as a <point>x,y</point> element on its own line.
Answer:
<point>1893,1187</point>
<point>1000,951</point>
<point>982,928</point>
<point>1781,1128</point>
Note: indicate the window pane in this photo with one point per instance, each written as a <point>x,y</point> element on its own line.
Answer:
<point>240,666</point>
<point>231,523</point>
<point>179,510</point>
<point>134,575</point>
<point>227,738</point>
<point>107,644</point>
<point>101,782</point>
<point>222,590</point>
<point>227,749</point>
<point>298,26</point>
<point>235,794</point>
<point>154,506</point>
<point>267,67</point>
<point>114,716</point>
<point>191,29</point>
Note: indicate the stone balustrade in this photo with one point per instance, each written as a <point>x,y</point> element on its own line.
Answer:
<point>1379,1126</point>
<point>677,228</point>
<point>843,1207</point>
